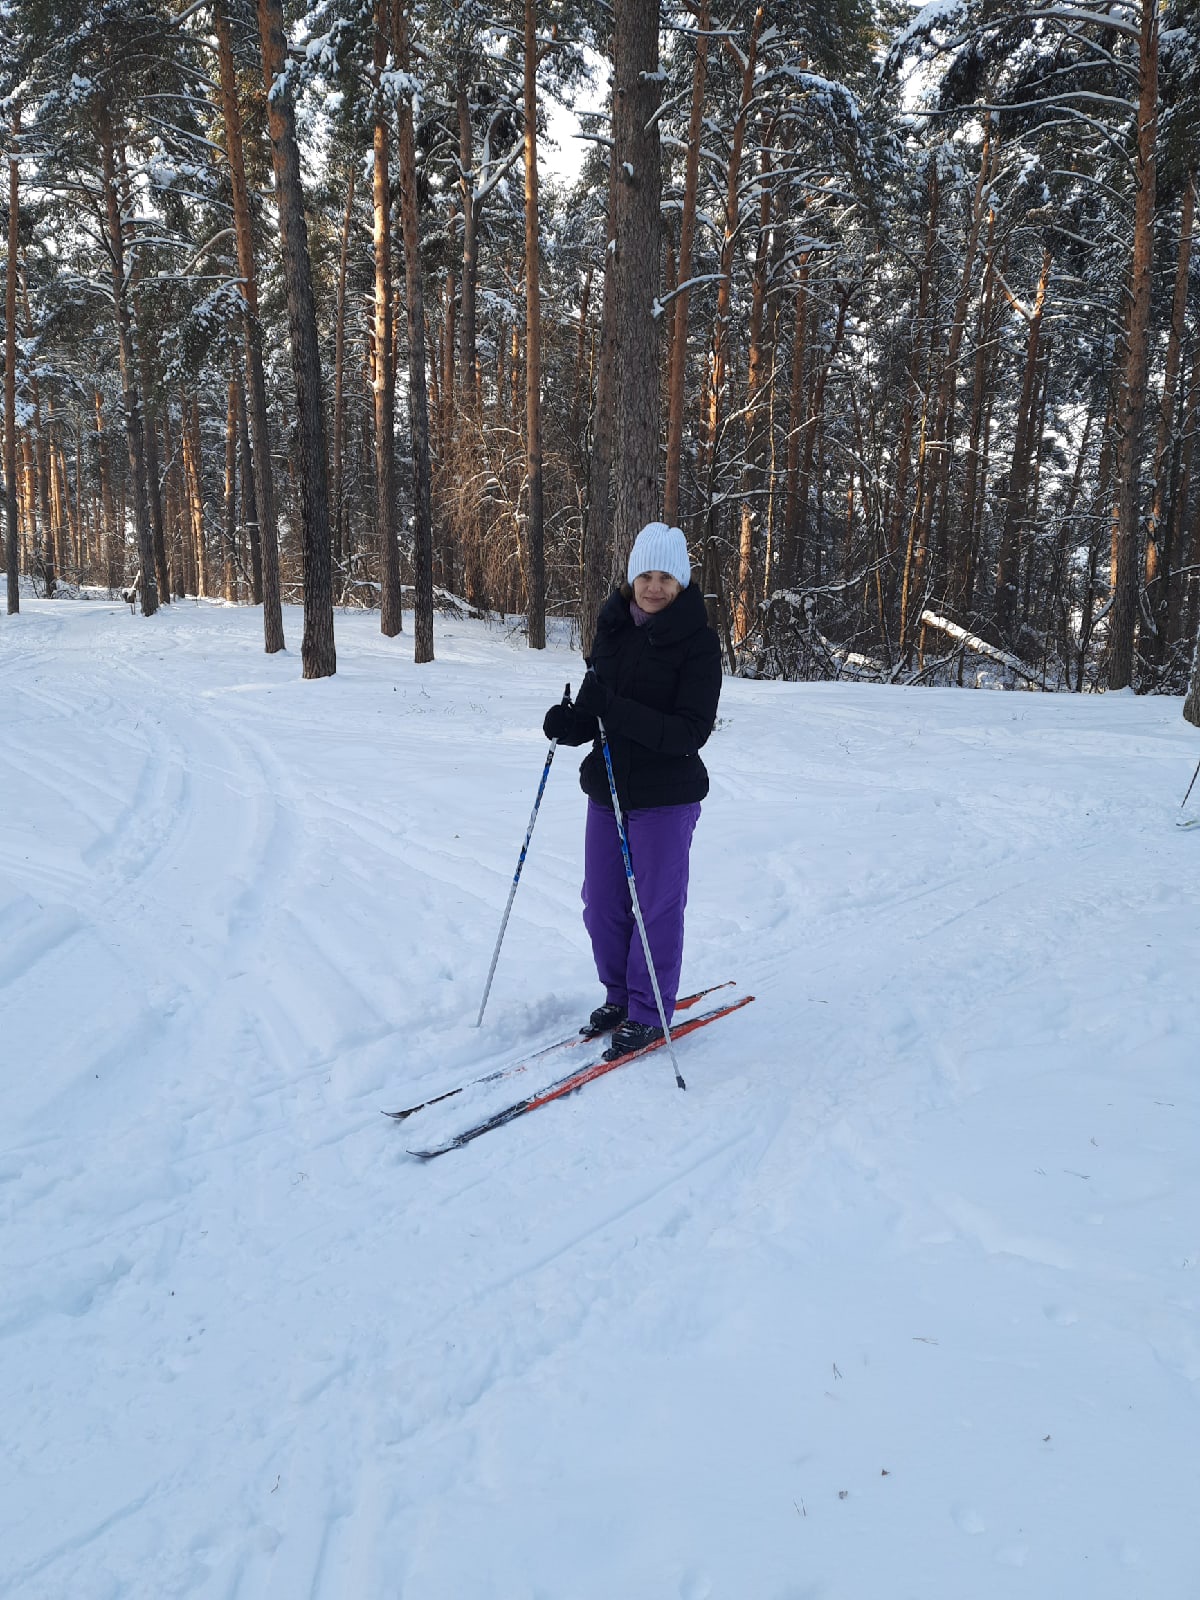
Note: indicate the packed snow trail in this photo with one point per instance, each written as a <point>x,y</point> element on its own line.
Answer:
<point>902,1298</point>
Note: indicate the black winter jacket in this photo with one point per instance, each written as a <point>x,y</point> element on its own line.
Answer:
<point>666,682</point>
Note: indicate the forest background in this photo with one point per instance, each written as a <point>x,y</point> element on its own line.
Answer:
<point>893,311</point>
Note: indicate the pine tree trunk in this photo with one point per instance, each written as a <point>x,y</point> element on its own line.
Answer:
<point>469,417</point>
<point>1135,376</point>
<point>941,448</point>
<point>127,360</point>
<point>921,337</point>
<point>56,557</point>
<point>108,518</point>
<point>448,366</point>
<point>687,233</point>
<point>535,518</point>
<point>173,485</point>
<point>391,616</point>
<point>418,397</point>
<point>318,652</point>
<point>755,458</point>
<point>58,521</point>
<point>468,358</point>
<point>914,552</point>
<point>597,527</point>
<point>43,559</point>
<point>341,500</point>
<point>813,432</point>
<point>190,432</point>
<point>1191,705</point>
<point>229,550</point>
<point>153,486</point>
<point>637,156</point>
<point>1186,520</point>
<point>266,584</point>
<point>1160,527</point>
<point>249,498</point>
<point>1037,450</point>
<point>963,554</point>
<point>791,559</point>
<point>12,533</point>
<point>712,400</point>
<point>1017,506</point>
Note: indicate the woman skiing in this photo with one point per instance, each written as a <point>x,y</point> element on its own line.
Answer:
<point>654,681</point>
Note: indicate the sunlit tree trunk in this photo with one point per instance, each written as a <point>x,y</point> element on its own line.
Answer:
<point>38,531</point>
<point>12,531</point>
<point>229,542</point>
<point>190,431</point>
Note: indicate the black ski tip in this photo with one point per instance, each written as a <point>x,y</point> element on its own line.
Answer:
<point>399,1116</point>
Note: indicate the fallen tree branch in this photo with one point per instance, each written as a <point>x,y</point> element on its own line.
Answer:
<point>1011,663</point>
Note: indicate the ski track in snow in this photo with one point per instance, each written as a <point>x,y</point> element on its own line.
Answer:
<point>900,1298</point>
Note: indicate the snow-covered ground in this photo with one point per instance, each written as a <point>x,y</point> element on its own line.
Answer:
<point>900,1301</point>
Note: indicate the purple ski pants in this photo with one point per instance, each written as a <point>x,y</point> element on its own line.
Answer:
<point>660,838</point>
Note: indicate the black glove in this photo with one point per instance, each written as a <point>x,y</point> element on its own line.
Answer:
<point>594,697</point>
<point>557,722</point>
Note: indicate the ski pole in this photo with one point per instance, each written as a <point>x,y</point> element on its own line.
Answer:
<point>637,910</point>
<point>566,700</point>
<point>1191,786</point>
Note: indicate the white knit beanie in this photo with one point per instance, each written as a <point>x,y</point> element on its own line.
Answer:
<point>659,548</point>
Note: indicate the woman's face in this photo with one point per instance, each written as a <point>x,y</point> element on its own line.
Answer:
<point>654,591</point>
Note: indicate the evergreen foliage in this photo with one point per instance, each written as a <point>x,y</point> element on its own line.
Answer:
<point>939,332</point>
